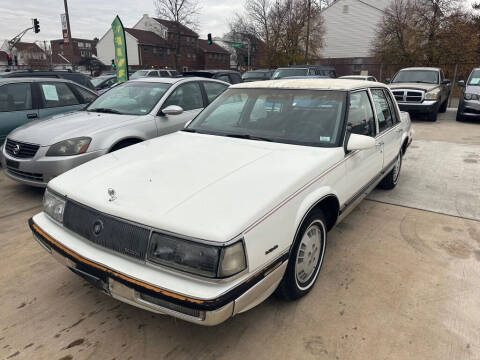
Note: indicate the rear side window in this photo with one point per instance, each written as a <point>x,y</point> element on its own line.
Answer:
<point>164,73</point>
<point>86,95</point>
<point>57,95</point>
<point>213,90</point>
<point>392,107</point>
<point>15,97</point>
<point>360,114</point>
<point>235,78</point>
<point>384,113</point>
<point>153,74</point>
<point>225,78</point>
<point>79,79</point>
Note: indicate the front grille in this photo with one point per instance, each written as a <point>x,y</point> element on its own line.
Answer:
<point>25,175</point>
<point>21,150</point>
<point>111,233</point>
<point>408,95</point>
<point>414,96</point>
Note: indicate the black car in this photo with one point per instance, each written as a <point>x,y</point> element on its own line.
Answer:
<point>230,76</point>
<point>469,104</point>
<point>257,75</point>
<point>304,70</point>
<point>74,76</point>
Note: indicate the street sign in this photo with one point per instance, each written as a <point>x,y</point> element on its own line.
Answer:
<point>236,44</point>
<point>64,28</point>
<point>120,47</point>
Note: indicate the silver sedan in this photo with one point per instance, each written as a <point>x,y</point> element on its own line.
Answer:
<point>127,114</point>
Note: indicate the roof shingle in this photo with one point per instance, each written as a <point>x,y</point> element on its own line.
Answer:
<point>146,37</point>
<point>171,26</point>
<point>213,48</point>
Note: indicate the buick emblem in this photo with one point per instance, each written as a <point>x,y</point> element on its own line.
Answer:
<point>112,194</point>
<point>97,227</point>
<point>16,149</point>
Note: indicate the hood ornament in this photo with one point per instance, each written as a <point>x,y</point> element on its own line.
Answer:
<point>112,194</point>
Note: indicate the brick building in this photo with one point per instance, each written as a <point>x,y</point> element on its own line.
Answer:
<point>83,51</point>
<point>212,56</point>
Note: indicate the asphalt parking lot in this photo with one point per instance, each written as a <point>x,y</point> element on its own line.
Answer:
<point>400,280</point>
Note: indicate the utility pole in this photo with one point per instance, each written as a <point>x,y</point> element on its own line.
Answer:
<point>70,43</point>
<point>309,6</point>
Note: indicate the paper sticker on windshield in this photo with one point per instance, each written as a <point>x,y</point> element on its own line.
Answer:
<point>475,81</point>
<point>50,92</point>
<point>325,138</point>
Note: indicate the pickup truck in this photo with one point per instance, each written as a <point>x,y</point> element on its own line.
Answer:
<point>421,90</point>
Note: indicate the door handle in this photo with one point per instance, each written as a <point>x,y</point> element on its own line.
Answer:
<point>399,130</point>
<point>32,116</point>
<point>379,144</point>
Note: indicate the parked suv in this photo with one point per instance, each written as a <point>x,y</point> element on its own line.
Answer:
<point>304,70</point>
<point>469,104</point>
<point>421,90</point>
<point>230,76</point>
<point>74,76</point>
<point>25,99</point>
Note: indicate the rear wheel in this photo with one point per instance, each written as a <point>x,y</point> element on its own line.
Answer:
<point>391,179</point>
<point>306,257</point>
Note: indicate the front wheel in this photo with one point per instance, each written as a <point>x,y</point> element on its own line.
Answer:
<point>306,258</point>
<point>459,116</point>
<point>432,116</point>
<point>443,107</point>
<point>391,179</point>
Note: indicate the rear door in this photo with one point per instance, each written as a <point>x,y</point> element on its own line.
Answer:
<point>390,131</point>
<point>190,98</point>
<point>16,107</point>
<point>56,98</point>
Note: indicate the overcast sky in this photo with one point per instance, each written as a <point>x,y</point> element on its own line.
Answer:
<point>92,18</point>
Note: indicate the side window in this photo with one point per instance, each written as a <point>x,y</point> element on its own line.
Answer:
<point>164,73</point>
<point>224,78</point>
<point>384,114</point>
<point>87,96</point>
<point>188,96</point>
<point>153,74</point>
<point>360,114</point>
<point>79,79</point>
<point>15,97</point>
<point>57,95</point>
<point>213,90</point>
<point>395,119</point>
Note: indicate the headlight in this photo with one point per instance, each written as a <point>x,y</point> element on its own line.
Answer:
<point>69,147</point>
<point>469,96</point>
<point>201,259</point>
<point>53,205</point>
<point>432,95</point>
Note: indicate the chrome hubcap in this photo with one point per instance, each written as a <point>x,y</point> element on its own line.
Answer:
<point>308,254</point>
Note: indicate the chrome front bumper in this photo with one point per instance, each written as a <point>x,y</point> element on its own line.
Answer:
<point>133,295</point>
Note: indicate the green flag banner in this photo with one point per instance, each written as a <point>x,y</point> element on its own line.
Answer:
<point>120,45</point>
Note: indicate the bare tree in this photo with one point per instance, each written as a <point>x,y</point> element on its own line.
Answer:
<point>181,12</point>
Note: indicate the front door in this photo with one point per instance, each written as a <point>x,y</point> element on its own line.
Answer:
<point>189,97</point>
<point>16,107</point>
<point>363,166</point>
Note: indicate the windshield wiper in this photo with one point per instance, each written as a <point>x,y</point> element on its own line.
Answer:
<point>105,110</point>
<point>248,136</point>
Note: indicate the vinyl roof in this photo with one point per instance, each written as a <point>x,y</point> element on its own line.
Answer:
<point>316,84</point>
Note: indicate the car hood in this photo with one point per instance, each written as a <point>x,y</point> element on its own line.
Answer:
<point>66,126</point>
<point>418,86</point>
<point>203,186</point>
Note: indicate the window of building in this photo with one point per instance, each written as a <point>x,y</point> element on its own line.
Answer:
<point>345,9</point>
<point>88,45</point>
<point>81,44</point>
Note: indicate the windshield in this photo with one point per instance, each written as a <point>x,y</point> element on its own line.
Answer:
<point>98,80</point>
<point>132,98</point>
<point>255,75</point>
<point>303,117</point>
<point>281,73</point>
<point>139,74</point>
<point>474,78</point>
<point>416,76</point>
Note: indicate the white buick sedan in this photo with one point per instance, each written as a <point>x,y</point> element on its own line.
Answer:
<point>207,222</point>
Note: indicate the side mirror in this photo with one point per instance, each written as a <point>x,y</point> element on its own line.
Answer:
<point>388,80</point>
<point>461,83</point>
<point>360,142</point>
<point>172,110</point>
<point>446,81</point>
